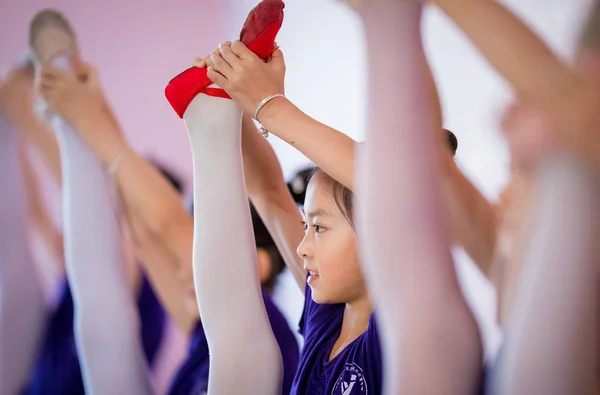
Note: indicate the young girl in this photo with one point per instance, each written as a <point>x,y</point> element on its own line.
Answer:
<point>57,368</point>
<point>161,227</point>
<point>161,243</point>
<point>54,367</point>
<point>341,351</point>
<point>329,233</point>
<point>471,216</point>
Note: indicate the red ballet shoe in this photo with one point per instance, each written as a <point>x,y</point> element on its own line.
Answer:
<point>258,33</point>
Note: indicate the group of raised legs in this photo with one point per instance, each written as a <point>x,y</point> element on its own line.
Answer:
<point>366,233</point>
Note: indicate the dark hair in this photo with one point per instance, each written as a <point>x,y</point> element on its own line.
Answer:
<point>45,19</point>
<point>452,141</point>
<point>297,186</point>
<point>173,179</point>
<point>264,240</point>
<point>342,196</point>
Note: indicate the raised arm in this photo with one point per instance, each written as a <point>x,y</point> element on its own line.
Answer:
<point>520,56</point>
<point>106,323</point>
<point>328,148</point>
<point>471,216</point>
<point>271,198</point>
<point>536,74</point>
<point>18,97</point>
<point>162,228</point>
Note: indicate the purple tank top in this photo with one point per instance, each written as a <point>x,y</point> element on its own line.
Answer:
<point>357,370</point>
<point>192,378</point>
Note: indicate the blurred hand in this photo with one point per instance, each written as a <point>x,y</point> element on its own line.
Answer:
<point>16,93</point>
<point>530,136</point>
<point>244,76</point>
<point>72,96</point>
<point>88,74</point>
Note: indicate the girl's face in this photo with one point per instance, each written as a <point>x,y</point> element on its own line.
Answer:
<point>329,247</point>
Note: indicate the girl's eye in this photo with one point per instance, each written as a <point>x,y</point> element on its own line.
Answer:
<point>319,229</point>
<point>304,226</point>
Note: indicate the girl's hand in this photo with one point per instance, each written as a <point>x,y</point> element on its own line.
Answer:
<point>245,77</point>
<point>72,96</point>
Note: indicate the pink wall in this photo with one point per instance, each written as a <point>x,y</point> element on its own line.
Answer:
<point>137,47</point>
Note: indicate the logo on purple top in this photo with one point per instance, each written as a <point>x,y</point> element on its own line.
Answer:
<point>351,381</point>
